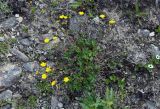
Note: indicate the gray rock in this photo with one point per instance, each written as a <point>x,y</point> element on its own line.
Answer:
<point>19,54</point>
<point>96,20</point>
<point>9,23</point>
<point>2,39</point>
<point>143,32</point>
<point>6,95</point>
<point>60,105</point>
<point>8,74</point>
<point>150,105</point>
<point>30,66</point>
<point>25,42</point>
<point>76,23</point>
<point>71,1</point>
<point>54,102</point>
<point>137,58</point>
<point>154,50</point>
<point>8,106</point>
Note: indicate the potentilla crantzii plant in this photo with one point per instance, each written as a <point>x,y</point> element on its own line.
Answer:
<point>81,65</point>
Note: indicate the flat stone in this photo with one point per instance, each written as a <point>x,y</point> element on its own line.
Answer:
<point>2,39</point>
<point>154,50</point>
<point>9,23</point>
<point>143,32</point>
<point>150,105</point>
<point>6,95</point>
<point>9,74</point>
<point>60,105</point>
<point>137,57</point>
<point>19,54</point>
<point>54,102</point>
<point>30,66</point>
<point>25,42</point>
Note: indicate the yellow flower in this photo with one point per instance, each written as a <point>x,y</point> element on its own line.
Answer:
<point>61,16</point>
<point>65,79</point>
<point>65,17</point>
<point>53,83</point>
<point>55,38</point>
<point>37,72</point>
<point>46,40</point>
<point>44,76</point>
<point>43,64</point>
<point>48,69</point>
<point>102,16</point>
<point>81,13</point>
<point>112,22</point>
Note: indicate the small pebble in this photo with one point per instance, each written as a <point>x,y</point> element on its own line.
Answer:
<point>60,105</point>
<point>17,15</point>
<point>2,39</point>
<point>152,34</point>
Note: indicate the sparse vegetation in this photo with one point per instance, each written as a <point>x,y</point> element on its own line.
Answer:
<point>79,54</point>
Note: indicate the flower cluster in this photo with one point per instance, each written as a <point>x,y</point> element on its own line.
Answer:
<point>49,69</point>
<point>54,38</point>
<point>82,13</point>
<point>63,16</point>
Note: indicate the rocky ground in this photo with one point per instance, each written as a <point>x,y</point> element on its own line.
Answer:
<point>129,49</point>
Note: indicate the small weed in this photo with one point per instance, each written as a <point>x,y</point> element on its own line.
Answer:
<point>3,102</point>
<point>32,101</point>
<point>113,64</point>
<point>33,9</point>
<point>138,11</point>
<point>75,4</point>
<point>44,87</point>
<point>120,83</point>
<point>25,29</point>
<point>93,102</point>
<point>4,47</point>
<point>4,7</point>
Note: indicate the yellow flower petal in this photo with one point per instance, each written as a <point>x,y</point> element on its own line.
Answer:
<point>53,83</point>
<point>81,13</point>
<point>102,16</point>
<point>112,22</point>
<point>43,64</point>
<point>37,72</point>
<point>61,16</point>
<point>55,38</point>
<point>65,79</point>
<point>46,40</point>
<point>44,76</point>
<point>65,17</point>
<point>48,69</point>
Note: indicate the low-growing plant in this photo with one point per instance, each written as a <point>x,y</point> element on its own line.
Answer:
<point>4,7</point>
<point>157,29</point>
<point>113,64</point>
<point>93,102</point>
<point>44,87</point>
<point>138,12</point>
<point>81,65</point>
<point>3,47</point>
<point>32,100</point>
<point>120,84</point>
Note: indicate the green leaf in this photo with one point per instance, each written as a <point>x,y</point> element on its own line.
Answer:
<point>75,5</point>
